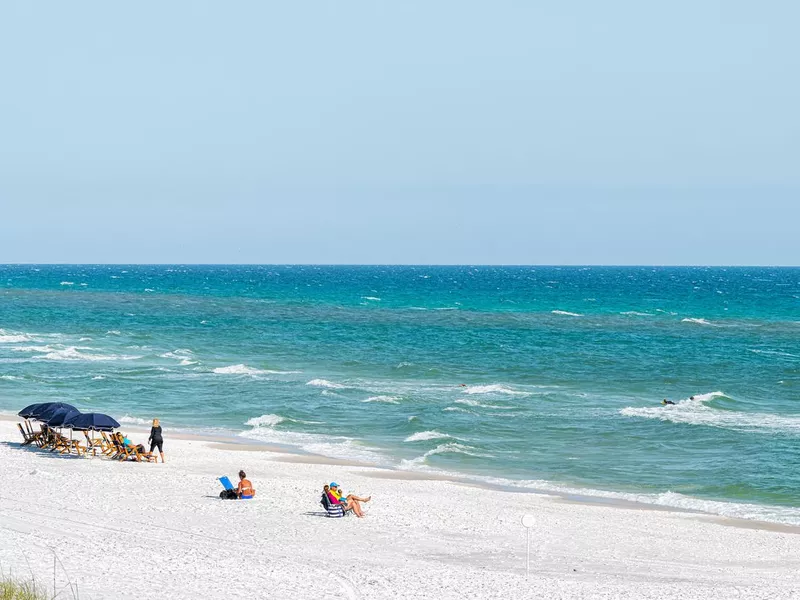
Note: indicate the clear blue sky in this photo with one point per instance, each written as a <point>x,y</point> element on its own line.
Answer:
<point>527,132</point>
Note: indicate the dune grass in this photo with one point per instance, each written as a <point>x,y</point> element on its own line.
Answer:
<point>20,590</point>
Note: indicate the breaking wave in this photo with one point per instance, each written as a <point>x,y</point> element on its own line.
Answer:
<point>324,383</point>
<point>476,404</point>
<point>493,389</point>
<point>134,420</point>
<point>447,448</point>
<point>566,313</point>
<point>429,435</point>
<point>239,370</point>
<point>698,322</point>
<point>386,399</point>
<point>697,412</point>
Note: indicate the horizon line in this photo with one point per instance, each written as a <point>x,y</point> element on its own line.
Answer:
<point>434,265</point>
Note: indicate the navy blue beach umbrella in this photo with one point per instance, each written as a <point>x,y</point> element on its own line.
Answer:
<point>91,422</point>
<point>48,410</point>
<point>27,412</point>
<point>57,419</point>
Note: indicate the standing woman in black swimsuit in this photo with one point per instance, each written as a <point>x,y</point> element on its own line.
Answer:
<point>156,439</point>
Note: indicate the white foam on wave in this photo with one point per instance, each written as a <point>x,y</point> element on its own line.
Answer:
<point>773,353</point>
<point>476,404</point>
<point>10,378</point>
<point>636,313</point>
<point>265,421</point>
<point>457,409</point>
<point>59,352</point>
<point>696,412</point>
<point>566,313</point>
<point>98,377</point>
<point>495,388</point>
<point>699,322</point>
<point>113,332</point>
<point>186,362</point>
<point>7,337</point>
<point>323,445</point>
<point>373,298</point>
<point>239,370</point>
<point>135,420</point>
<point>385,399</point>
<point>423,436</point>
<point>75,353</point>
<point>669,499</point>
<point>324,383</point>
<point>447,448</point>
<point>67,283</point>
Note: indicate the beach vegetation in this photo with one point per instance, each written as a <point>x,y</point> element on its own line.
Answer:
<point>11,589</point>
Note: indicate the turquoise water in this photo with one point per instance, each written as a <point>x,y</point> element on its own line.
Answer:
<point>539,377</point>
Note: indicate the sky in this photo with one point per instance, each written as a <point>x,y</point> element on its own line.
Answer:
<point>413,132</point>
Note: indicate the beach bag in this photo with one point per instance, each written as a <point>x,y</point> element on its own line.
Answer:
<point>228,495</point>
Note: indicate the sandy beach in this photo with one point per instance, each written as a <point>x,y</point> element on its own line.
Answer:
<point>129,530</point>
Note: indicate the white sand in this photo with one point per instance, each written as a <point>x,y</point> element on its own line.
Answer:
<point>127,530</point>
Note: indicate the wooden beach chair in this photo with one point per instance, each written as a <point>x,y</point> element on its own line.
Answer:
<point>34,435</point>
<point>27,438</point>
<point>107,446</point>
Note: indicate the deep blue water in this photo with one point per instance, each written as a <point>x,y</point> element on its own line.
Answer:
<point>545,377</point>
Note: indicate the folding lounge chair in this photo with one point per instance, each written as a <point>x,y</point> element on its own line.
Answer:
<point>229,493</point>
<point>334,510</point>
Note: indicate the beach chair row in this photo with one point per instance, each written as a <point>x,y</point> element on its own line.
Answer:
<point>107,445</point>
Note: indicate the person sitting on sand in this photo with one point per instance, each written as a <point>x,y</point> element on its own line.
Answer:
<point>351,502</point>
<point>245,489</point>
<point>665,402</point>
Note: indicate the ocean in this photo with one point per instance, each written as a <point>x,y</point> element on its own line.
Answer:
<point>540,378</point>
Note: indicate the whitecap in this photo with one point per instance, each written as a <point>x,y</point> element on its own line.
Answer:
<point>113,332</point>
<point>239,370</point>
<point>773,353</point>
<point>476,404</point>
<point>696,412</point>
<point>422,436</point>
<point>494,388</point>
<point>373,298</point>
<point>70,353</point>
<point>448,448</point>
<point>67,283</point>
<point>699,322</point>
<point>265,421</point>
<point>385,399</point>
<point>10,378</point>
<point>566,313</point>
<point>636,313</point>
<point>134,420</point>
<point>324,383</point>
<point>6,337</point>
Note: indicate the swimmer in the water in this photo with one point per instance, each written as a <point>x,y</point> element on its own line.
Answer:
<point>691,397</point>
<point>665,402</point>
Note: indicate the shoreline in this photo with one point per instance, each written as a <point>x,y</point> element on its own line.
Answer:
<point>154,530</point>
<point>292,454</point>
